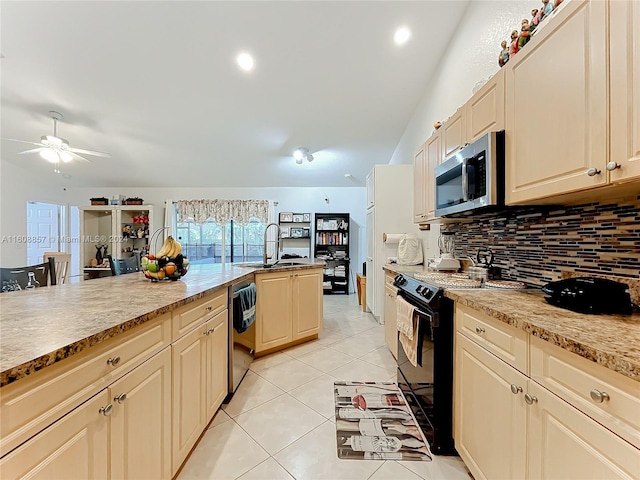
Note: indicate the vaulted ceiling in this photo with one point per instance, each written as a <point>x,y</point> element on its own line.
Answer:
<point>156,85</point>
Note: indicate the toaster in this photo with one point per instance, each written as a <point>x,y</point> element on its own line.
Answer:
<point>590,295</point>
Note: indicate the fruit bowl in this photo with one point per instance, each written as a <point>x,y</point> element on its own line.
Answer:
<point>167,264</point>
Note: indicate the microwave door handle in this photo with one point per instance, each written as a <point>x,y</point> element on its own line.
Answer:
<point>465,180</point>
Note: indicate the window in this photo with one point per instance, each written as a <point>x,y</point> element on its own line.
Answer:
<point>203,243</point>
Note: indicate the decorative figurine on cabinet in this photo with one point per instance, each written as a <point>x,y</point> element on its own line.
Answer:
<point>546,9</point>
<point>525,35</point>
<point>504,54</point>
<point>535,18</point>
<point>556,4</point>
<point>126,231</point>
<point>513,48</point>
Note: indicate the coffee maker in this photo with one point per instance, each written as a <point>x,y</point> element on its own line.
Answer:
<point>447,260</point>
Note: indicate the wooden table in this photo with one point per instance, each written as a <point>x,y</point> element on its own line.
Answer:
<point>361,284</point>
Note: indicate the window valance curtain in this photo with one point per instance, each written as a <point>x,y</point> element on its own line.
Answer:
<point>241,211</point>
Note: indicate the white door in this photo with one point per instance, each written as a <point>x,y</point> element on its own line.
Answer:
<point>371,273</point>
<point>43,230</point>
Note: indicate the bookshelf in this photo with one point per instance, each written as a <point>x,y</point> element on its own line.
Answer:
<point>295,229</point>
<point>331,244</point>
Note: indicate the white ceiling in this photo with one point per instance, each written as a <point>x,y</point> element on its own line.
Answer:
<point>155,84</point>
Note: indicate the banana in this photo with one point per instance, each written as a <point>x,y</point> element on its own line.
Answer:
<point>159,275</point>
<point>176,250</point>
<point>167,246</point>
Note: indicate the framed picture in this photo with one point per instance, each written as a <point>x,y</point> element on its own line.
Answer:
<point>286,217</point>
<point>306,217</point>
<point>284,232</point>
<point>296,232</point>
<point>306,233</point>
<point>297,217</point>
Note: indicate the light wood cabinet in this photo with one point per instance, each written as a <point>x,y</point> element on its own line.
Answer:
<point>199,366</point>
<point>557,106</point>
<point>454,133</point>
<point>289,307</point>
<point>624,91</point>
<point>74,447</point>
<point>537,423</point>
<point>425,162</point>
<point>140,421</point>
<point>484,112</point>
<point>420,186</point>
<point>390,315</point>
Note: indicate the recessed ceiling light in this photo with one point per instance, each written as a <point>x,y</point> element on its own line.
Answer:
<point>245,61</point>
<point>402,35</point>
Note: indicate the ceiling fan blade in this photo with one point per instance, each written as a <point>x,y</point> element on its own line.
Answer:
<point>24,141</point>
<point>32,151</point>
<point>88,152</point>
<point>79,157</point>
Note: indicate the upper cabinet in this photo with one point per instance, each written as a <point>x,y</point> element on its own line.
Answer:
<point>454,133</point>
<point>578,72</point>
<point>420,187</point>
<point>484,112</point>
<point>624,63</point>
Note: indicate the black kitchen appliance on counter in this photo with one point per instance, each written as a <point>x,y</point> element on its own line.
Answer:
<point>590,295</point>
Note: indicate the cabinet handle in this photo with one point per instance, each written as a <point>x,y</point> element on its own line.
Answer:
<point>598,396</point>
<point>479,330</point>
<point>120,398</point>
<point>611,166</point>
<point>530,399</point>
<point>515,389</point>
<point>106,410</point>
<point>592,172</point>
<point>206,332</point>
<point>113,361</point>
<point>209,308</point>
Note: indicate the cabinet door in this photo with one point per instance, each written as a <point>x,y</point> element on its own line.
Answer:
<point>565,443</point>
<point>625,90</point>
<point>189,377</point>
<point>370,189</point>
<point>433,158</point>
<point>74,447</point>
<point>390,330</point>
<point>140,439</point>
<point>273,310</point>
<point>454,133</point>
<point>490,420</point>
<point>556,106</point>
<point>419,186</point>
<point>485,110</point>
<point>307,303</point>
<point>217,362</point>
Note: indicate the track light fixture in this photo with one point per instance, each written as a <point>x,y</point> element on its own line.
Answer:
<point>301,154</point>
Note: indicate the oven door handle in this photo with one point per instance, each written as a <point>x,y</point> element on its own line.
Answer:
<point>465,180</point>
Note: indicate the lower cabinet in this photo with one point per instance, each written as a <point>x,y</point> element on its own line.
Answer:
<point>199,366</point>
<point>506,425</point>
<point>124,429</point>
<point>289,307</point>
<point>390,315</point>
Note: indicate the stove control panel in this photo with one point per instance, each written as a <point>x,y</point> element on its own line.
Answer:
<point>418,289</point>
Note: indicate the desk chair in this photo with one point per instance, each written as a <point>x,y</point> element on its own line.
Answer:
<point>122,266</point>
<point>32,276</point>
<point>62,261</point>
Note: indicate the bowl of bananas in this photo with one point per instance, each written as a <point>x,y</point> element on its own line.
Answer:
<point>167,264</point>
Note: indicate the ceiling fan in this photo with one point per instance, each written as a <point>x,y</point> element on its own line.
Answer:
<point>56,149</point>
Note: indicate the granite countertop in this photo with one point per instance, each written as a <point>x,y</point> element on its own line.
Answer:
<point>42,326</point>
<point>612,341</point>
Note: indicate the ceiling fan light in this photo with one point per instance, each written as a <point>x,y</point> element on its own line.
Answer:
<point>309,157</point>
<point>49,155</point>
<point>53,140</point>
<point>299,154</point>
<point>65,156</point>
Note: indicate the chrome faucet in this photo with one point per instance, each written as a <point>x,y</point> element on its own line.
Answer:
<point>278,240</point>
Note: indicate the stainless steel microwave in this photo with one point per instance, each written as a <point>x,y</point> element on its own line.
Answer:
<point>471,178</point>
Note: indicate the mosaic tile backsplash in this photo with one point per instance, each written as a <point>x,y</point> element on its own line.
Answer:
<point>539,244</point>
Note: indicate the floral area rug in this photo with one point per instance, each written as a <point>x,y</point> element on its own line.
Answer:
<point>374,422</point>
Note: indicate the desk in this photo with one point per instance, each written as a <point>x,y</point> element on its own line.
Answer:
<point>361,284</point>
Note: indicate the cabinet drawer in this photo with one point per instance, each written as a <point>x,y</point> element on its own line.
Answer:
<point>187,316</point>
<point>388,280</point>
<point>30,404</point>
<point>573,378</point>
<point>506,342</point>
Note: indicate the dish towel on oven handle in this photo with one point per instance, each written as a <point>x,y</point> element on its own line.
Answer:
<point>410,341</point>
<point>244,308</point>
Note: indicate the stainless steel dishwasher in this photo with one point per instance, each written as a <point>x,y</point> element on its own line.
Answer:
<point>241,345</point>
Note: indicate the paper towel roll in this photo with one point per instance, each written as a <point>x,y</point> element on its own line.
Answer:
<point>392,237</point>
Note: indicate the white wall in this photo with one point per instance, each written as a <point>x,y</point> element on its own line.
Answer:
<point>18,186</point>
<point>472,57</point>
<point>349,200</point>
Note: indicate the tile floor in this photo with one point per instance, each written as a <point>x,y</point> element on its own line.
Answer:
<point>280,423</point>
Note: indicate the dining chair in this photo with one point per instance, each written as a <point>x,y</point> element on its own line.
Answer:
<point>62,261</point>
<point>31,276</point>
<point>122,266</point>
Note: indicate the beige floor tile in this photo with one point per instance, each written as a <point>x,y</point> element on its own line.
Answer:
<point>267,470</point>
<point>253,391</point>
<point>362,372</point>
<point>220,417</point>
<point>268,361</point>
<point>326,360</point>
<point>315,456</point>
<point>394,471</point>
<point>449,468</point>
<point>224,452</point>
<point>304,348</point>
<point>290,374</point>
<point>317,394</point>
<point>326,339</point>
<point>353,347</point>
<point>381,357</point>
<point>277,423</point>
